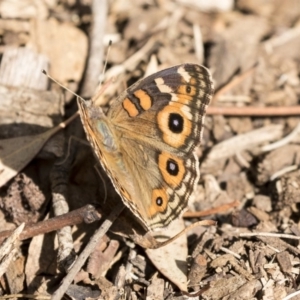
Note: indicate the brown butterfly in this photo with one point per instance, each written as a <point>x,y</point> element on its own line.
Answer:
<point>145,142</point>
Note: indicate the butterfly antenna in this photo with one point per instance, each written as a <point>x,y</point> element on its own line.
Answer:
<point>106,59</point>
<point>61,85</point>
<point>101,88</point>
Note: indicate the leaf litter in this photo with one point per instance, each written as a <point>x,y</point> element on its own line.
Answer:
<point>238,159</point>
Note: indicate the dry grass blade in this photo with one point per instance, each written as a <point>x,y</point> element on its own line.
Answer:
<point>16,153</point>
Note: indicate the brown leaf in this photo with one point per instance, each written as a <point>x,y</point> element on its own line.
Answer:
<point>16,153</point>
<point>170,260</point>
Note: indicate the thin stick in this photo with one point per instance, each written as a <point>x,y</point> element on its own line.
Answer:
<point>27,296</point>
<point>255,111</point>
<point>269,234</point>
<point>95,58</point>
<point>72,218</point>
<point>198,43</point>
<point>58,294</point>
<point>217,210</point>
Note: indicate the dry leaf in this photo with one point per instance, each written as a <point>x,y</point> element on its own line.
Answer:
<point>16,153</point>
<point>170,260</point>
<point>65,45</point>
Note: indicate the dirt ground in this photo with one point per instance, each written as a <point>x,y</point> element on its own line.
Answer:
<point>249,154</point>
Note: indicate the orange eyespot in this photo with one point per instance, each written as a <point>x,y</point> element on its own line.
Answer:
<point>172,169</point>
<point>159,202</point>
<point>174,122</point>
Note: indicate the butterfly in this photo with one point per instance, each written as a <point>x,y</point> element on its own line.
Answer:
<point>146,139</point>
